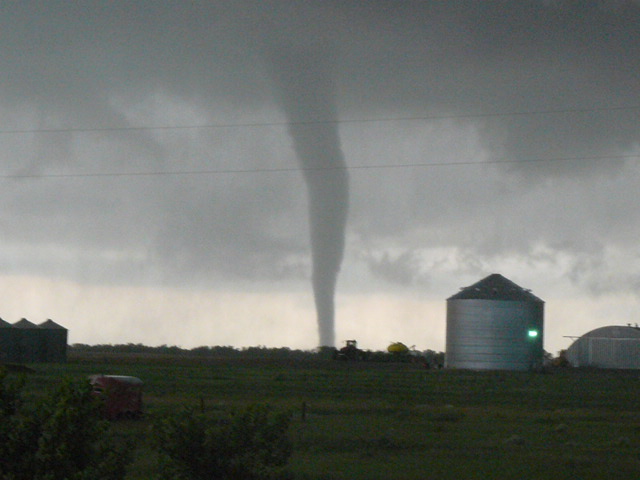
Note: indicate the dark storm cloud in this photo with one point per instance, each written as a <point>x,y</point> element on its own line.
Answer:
<point>77,65</point>
<point>403,269</point>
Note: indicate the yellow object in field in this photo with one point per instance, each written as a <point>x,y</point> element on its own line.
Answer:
<point>397,347</point>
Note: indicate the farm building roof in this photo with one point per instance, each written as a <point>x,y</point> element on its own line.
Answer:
<point>613,331</point>
<point>50,324</point>
<point>24,323</point>
<point>495,287</point>
<point>4,324</point>
<point>118,378</point>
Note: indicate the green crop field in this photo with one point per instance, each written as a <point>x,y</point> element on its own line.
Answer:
<point>396,420</point>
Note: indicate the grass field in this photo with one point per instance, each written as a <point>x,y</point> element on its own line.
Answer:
<point>395,420</point>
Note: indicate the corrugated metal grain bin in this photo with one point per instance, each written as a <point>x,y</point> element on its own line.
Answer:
<point>8,342</point>
<point>29,342</point>
<point>55,342</point>
<point>26,342</point>
<point>494,325</point>
<point>607,347</point>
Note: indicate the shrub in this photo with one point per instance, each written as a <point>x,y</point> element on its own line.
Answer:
<point>250,444</point>
<point>9,394</point>
<point>61,437</point>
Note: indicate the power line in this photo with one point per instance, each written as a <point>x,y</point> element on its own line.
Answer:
<point>300,169</point>
<point>320,122</point>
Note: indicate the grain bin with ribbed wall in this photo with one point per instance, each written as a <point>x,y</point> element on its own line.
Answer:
<point>494,324</point>
<point>55,342</point>
<point>8,342</point>
<point>30,342</point>
<point>26,342</point>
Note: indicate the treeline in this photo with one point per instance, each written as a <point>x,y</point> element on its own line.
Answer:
<point>203,351</point>
<point>258,352</point>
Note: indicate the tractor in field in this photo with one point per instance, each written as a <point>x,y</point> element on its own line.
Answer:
<point>350,352</point>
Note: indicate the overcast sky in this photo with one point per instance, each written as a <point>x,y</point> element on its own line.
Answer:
<point>151,180</point>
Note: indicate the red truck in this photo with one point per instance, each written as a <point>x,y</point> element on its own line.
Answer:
<point>121,394</point>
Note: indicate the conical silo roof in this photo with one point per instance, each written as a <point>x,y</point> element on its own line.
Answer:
<point>4,324</point>
<point>51,325</point>
<point>24,323</point>
<point>495,287</point>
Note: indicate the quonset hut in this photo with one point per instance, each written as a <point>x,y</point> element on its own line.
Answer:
<point>494,324</point>
<point>606,347</point>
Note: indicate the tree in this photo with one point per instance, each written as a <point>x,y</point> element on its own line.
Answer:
<point>250,444</point>
<point>60,437</point>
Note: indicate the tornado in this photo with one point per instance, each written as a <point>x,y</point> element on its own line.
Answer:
<point>306,94</point>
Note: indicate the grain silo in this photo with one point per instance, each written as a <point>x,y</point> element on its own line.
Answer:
<point>8,342</point>
<point>55,342</point>
<point>607,347</point>
<point>494,324</point>
<point>29,342</point>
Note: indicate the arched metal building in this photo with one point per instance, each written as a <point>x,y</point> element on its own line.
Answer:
<point>606,347</point>
<point>494,324</point>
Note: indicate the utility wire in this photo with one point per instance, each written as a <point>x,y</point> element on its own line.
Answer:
<point>319,122</point>
<point>300,169</point>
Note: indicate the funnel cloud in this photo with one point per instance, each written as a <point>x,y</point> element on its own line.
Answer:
<point>305,91</point>
<point>146,170</point>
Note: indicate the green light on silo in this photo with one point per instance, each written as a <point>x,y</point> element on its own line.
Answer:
<point>532,334</point>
